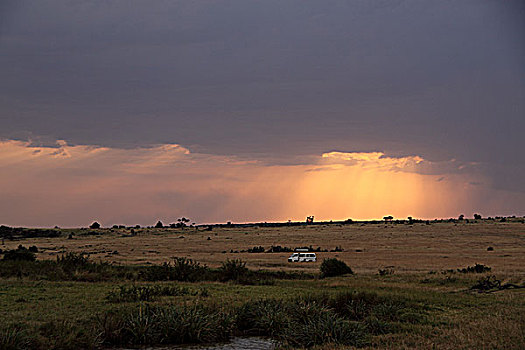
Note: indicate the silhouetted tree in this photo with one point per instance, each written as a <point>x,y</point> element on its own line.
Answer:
<point>182,222</point>
<point>461,217</point>
<point>388,218</point>
<point>159,224</point>
<point>95,225</point>
<point>477,217</point>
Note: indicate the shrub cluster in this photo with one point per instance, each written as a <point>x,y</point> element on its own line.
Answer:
<point>259,249</point>
<point>78,267</point>
<point>180,269</point>
<point>478,268</point>
<point>281,249</point>
<point>20,254</point>
<point>67,267</point>
<point>491,283</point>
<point>20,232</point>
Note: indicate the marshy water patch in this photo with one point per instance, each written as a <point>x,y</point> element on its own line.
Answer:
<point>236,343</point>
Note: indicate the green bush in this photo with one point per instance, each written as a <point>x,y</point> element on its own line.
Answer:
<point>233,270</point>
<point>180,269</point>
<point>73,260</point>
<point>334,267</point>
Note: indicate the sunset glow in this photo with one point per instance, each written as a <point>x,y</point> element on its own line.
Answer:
<point>71,185</point>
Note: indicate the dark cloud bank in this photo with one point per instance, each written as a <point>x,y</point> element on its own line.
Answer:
<point>272,80</point>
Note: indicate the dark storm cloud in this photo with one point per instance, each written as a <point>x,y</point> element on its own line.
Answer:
<point>273,80</point>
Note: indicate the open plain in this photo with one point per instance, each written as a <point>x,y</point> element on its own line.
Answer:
<point>409,288</point>
<point>365,247</point>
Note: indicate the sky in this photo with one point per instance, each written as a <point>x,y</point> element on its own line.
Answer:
<point>129,111</point>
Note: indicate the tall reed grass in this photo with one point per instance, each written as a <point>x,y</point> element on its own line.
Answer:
<point>347,319</point>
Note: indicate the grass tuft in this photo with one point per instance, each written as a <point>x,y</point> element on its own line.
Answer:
<point>14,338</point>
<point>135,293</point>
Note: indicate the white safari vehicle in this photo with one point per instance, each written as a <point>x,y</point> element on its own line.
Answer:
<point>302,257</point>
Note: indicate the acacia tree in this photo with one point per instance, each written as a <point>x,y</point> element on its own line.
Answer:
<point>182,222</point>
<point>94,225</point>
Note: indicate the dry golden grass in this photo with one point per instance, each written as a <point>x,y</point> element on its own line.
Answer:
<point>406,248</point>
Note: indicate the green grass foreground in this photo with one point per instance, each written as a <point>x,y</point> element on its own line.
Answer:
<point>96,306</point>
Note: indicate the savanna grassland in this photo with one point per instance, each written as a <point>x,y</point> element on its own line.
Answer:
<point>366,247</point>
<point>409,287</point>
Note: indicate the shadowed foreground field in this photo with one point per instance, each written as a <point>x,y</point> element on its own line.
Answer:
<point>366,247</point>
<point>420,300</point>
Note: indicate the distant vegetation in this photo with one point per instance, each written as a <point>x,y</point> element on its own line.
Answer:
<point>12,233</point>
<point>77,267</point>
<point>21,254</point>
<point>280,249</point>
<point>478,268</point>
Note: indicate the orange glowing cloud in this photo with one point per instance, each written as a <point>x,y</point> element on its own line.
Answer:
<point>374,160</point>
<point>73,185</point>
